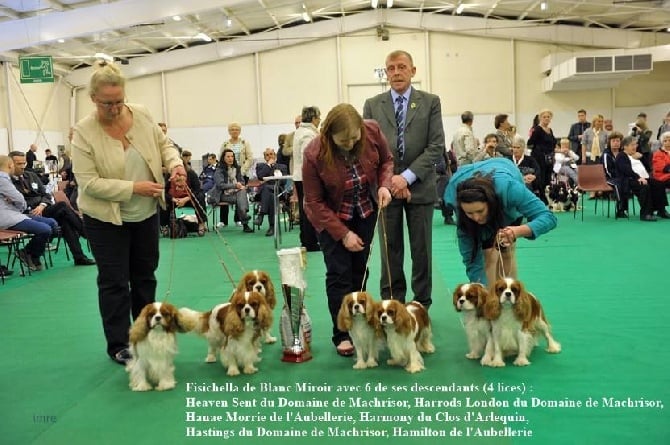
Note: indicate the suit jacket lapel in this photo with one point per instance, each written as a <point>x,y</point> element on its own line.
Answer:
<point>413,105</point>
<point>388,108</point>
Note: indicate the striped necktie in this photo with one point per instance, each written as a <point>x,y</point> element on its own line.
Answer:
<point>400,122</point>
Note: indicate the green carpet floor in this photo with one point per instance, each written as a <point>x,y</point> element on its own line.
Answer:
<point>602,283</point>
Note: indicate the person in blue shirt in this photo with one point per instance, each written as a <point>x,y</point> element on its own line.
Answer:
<point>491,200</point>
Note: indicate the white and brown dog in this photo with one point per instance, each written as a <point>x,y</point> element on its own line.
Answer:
<point>153,346</point>
<point>259,281</point>
<point>516,319</point>
<point>232,329</point>
<point>408,332</point>
<point>356,317</point>
<point>469,298</point>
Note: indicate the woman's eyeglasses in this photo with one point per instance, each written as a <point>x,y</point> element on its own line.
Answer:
<point>110,105</point>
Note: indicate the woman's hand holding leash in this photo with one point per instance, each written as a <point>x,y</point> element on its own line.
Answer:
<point>352,242</point>
<point>383,197</point>
<point>506,236</point>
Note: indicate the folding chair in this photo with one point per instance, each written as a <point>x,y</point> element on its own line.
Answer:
<point>591,178</point>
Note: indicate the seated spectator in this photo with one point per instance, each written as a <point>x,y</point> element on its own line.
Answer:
<point>40,203</point>
<point>490,149</point>
<point>68,185</point>
<point>650,192</point>
<point>267,188</point>
<point>207,175</point>
<point>12,216</point>
<point>528,166</point>
<point>643,135</point>
<point>565,161</point>
<point>661,161</point>
<point>230,188</point>
<point>184,192</point>
<point>620,184</point>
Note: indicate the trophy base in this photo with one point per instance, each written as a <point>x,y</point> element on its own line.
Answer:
<point>296,357</point>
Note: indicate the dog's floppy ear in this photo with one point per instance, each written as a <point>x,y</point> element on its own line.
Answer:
<point>344,315</point>
<point>232,323</point>
<point>264,316</point>
<point>140,328</point>
<point>492,307</point>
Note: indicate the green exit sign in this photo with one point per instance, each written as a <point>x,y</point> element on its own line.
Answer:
<point>36,69</point>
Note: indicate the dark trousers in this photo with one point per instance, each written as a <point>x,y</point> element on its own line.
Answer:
<point>546,169</point>
<point>307,233</point>
<point>420,231</point>
<point>70,224</point>
<point>42,229</point>
<point>345,270</point>
<point>127,257</point>
<point>268,203</point>
<point>651,196</point>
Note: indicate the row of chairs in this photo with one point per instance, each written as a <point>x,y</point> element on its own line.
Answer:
<point>14,240</point>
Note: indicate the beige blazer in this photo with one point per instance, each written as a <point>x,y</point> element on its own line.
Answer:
<point>98,162</point>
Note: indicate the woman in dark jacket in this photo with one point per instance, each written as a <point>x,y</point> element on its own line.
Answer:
<point>347,176</point>
<point>542,144</point>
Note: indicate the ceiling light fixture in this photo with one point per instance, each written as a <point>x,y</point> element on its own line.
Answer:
<point>61,40</point>
<point>544,6</point>
<point>305,17</point>
<point>176,18</point>
<point>389,4</point>
<point>204,37</point>
<point>460,8</point>
<point>374,3</point>
<point>229,22</point>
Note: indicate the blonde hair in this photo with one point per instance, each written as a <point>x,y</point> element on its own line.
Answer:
<point>105,73</point>
<point>545,111</point>
<point>565,141</point>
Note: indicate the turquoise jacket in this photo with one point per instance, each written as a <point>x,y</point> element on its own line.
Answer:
<point>517,201</point>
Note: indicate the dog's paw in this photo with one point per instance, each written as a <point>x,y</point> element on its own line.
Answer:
<point>497,363</point>
<point>211,358</point>
<point>474,356</point>
<point>250,369</point>
<point>165,385</point>
<point>521,361</point>
<point>270,339</point>
<point>427,349</point>
<point>553,348</point>
<point>233,371</point>
<point>414,368</point>
<point>142,386</point>
<point>360,364</point>
<point>393,362</point>
<point>372,363</point>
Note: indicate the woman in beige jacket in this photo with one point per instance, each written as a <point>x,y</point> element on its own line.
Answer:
<point>118,156</point>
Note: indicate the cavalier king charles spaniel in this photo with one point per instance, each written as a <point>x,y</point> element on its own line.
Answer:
<point>407,330</point>
<point>259,281</point>
<point>356,317</point>
<point>153,346</point>
<point>232,329</point>
<point>516,319</point>
<point>469,299</point>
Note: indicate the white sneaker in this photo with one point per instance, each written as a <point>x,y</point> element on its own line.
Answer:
<point>220,224</point>
<point>238,223</point>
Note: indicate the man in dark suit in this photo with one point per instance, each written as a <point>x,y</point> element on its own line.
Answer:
<point>413,127</point>
<point>267,189</point>
<point>576,131</point>
<point>41,203</point>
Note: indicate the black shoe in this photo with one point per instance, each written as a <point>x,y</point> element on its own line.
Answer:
<point>648,218</point>
<point>5,272</point>
<point>621,214</point>
<point>449,221</point>
<point>122,357</point>
<point>24,257</point>
<point>664,215</point>
<point>270,232</point>
<point>246,228</point>
<point>84,261</point>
